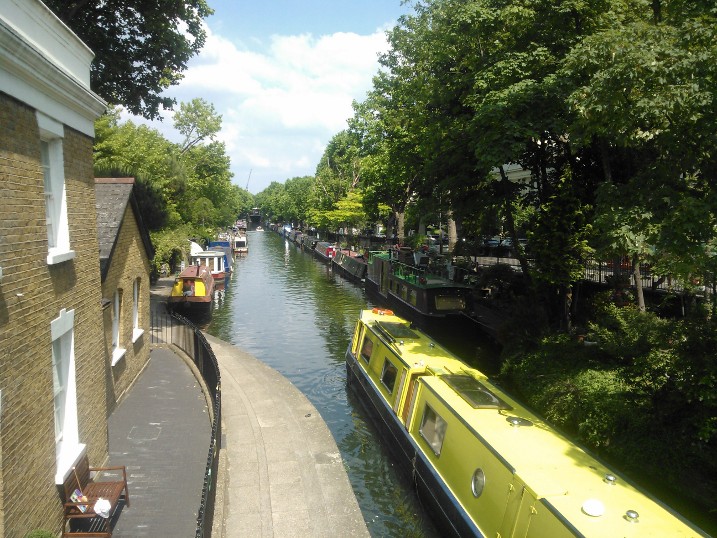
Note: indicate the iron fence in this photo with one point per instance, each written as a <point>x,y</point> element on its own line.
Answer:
<point>172,328</point>
<point>596,271</point>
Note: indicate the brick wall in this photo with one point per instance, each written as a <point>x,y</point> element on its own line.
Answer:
<point>31,296</point>
<point>129,262</point>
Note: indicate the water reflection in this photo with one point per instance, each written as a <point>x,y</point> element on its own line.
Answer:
<point>294,314</point>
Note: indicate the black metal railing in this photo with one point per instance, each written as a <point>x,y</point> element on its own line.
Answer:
<point>596,271</point>
<point>172,328</point>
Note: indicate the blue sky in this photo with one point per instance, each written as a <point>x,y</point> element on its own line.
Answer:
<point>283,74</point>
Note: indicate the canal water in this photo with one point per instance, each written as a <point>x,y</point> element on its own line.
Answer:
<point>290,311</point>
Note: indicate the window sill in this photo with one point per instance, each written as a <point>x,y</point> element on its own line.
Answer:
<point>136,334</point>
<point>56,256</point>
<point>67,461</point>
<point>117,354</point>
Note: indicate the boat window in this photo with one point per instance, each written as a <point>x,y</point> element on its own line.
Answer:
<point>433,429</point>
<point>450,302</point>
<point>478,482</point>
<point>474,393</point>
<point>366,349</point>
<point>412,297</point>
<point>397,330</point>
<point>388,375</point>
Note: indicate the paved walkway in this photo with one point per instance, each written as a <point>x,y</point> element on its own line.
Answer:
<point>161,432</point>
<point>281,474</point>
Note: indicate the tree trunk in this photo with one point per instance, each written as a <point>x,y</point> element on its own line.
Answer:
<point>638,283</point>
<point>452,232</point>
<point>605,159</point>
<point>400,220</point>
<point>513,233</point>
<point>565,295</point>
<point>422,225</point>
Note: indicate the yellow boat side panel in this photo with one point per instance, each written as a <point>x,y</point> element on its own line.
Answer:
<point>176,288</point>
<point>198,287</point>
<point>536,482</point>
<point>461,454</point>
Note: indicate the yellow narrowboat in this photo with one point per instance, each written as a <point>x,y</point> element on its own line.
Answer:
<point>484,464</point>
<point>193,289</point>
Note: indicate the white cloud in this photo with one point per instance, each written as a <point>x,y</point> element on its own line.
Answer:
<point>282,105</point>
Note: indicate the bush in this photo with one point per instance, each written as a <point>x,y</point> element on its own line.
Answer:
<point>644,397</point>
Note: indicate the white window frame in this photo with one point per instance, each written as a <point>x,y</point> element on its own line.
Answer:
<point>53,168</point>
<point>433,429</point>
<point>67,444</point>
<point>137,331</point>
<point>117,351</point>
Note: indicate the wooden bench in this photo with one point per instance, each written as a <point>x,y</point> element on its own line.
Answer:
<point>86,523</point>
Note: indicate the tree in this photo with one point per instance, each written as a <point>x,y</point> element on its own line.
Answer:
<point>197,121</point>
<point>141,46</point>
<point>140,151</point>
<point>339,170</point>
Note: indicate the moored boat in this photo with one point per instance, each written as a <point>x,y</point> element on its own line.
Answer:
<point>213,260</point>
<point>325,251</point>
<point>224,246</point>
<point>484,464</point>
<point>308,242</point>
<point>351,267</point>
<point>408,286</point>
<point>193,289</point>
<point>239,244</point>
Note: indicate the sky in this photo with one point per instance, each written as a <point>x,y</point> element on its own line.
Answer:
<point>282,74</point>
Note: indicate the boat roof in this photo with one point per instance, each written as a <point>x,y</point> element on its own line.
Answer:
<point>552,467</point>
<point>195,271</point>
<point>208,254</point>
<point>431,280</point>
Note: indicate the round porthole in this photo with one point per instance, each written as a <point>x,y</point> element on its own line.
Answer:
<point>478,482</point>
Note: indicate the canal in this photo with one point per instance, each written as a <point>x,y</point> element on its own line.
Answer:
<point>290,311</point>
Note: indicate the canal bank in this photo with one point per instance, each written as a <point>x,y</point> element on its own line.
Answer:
<point>280,471</point>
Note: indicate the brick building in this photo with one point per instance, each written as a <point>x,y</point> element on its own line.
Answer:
<point>53,376</point>
<point>125,255</point>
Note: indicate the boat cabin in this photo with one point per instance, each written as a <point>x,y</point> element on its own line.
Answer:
<point>214,260</point>
<point>239,246</point>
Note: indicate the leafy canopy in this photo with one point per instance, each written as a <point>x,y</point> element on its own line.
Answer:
<point>141,46</point>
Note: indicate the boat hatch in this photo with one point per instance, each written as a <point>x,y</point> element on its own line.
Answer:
<point>474,393</point>
<point>397,331</point>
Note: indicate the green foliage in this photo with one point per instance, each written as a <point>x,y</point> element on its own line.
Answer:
<point>175,185</point>
<point>560,239</point>
<point>338,171</point>
<point>197,121</point>
<point>171,246</point>
<point>293,201</point>
<point>643,395</point>
<point>141,48</point>
<point>415,241</point>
